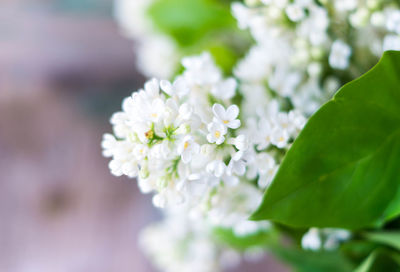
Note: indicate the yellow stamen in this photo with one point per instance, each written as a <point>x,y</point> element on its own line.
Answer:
<point>225,122</point>
<point>281,139</point>
<point>154,115</point>
<point>186,145</point>
<point>149,134</point>
<point>217,134</point>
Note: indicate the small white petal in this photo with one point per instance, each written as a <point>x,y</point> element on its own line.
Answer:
<point>232,112</point>
<point>234,124</point>
<point>219,111</point>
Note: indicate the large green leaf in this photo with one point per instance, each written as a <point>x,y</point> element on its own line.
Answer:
<point>344,168</point>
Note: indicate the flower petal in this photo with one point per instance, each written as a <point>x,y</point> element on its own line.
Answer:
<point>234,124</point>
<point>232,112</point>
<point>219,111</point>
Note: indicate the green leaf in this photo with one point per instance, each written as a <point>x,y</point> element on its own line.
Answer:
<point>391,239</point>
<point>309,261</point>
<point>259,239</point>
<point>272,240</point>
<point>188,21</point>
<point>367,263</point>
<point>202,25</point>
<point>344,168</point>
<point>380,260</point>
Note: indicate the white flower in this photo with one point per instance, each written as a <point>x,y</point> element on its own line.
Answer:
<point>279,137</point>
<point>217,168</point>
<point>230,180</point>
<point>236,166</point>
<point>241,142</point>
<point>264,161</point>
<point>393,21</point>
<point>345,5</point>
<point>119,122</point>
<point>224,89</point>
<point>282,121</point>
<point>242,14</point>
<point>131,16</point>
<point>334,237</point>
<point>295,12</point>
<point>201,69</point>
<point>340,55</point>
<point>359,18</point>
<point>391,42</point>
<point>311,240</point>
<point>216,133</point>
<point>227,117</point>
<point>157,55</point>
<point>109,143</point>
<point>187,148</point>
<point>377,19</point>
<point>265,179</point>
<point>315,26</point>
<point>297,120</point>
<point>140,151</point>
<point>284,82</point>
<point>159,200</point>
<point>178,88</point>
<point>264,134</point>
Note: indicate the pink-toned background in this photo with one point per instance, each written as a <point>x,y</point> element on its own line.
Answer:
<point>64,69</point>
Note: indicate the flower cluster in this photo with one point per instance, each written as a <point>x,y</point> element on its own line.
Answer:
<point>185,141</point>
<point>303,45</point>
<point>179,245</point>
<point>329,239</point>
<point>208,146</point>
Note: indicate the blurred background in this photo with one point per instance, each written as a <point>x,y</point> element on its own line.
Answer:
<point>64,69</point>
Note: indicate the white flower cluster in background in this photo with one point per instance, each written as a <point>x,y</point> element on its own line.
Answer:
<point>180,245</point>
<point>328,239</point>
<point>303,45</point>
<point>157,54</point>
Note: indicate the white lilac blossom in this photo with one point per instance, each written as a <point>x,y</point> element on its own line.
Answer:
<point>157,56</point>
<point>188,148</point>
<point>226,117</point>
<point>207,159</point>
<point>329,239</point>
<point>311,240</point>
<point>290,59</point>
<point>178,244</point>
<point>391,42</point>
<point>216,133</point>
<point>206,167</point>
<point>172,139</point>
<point>339,55</point>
